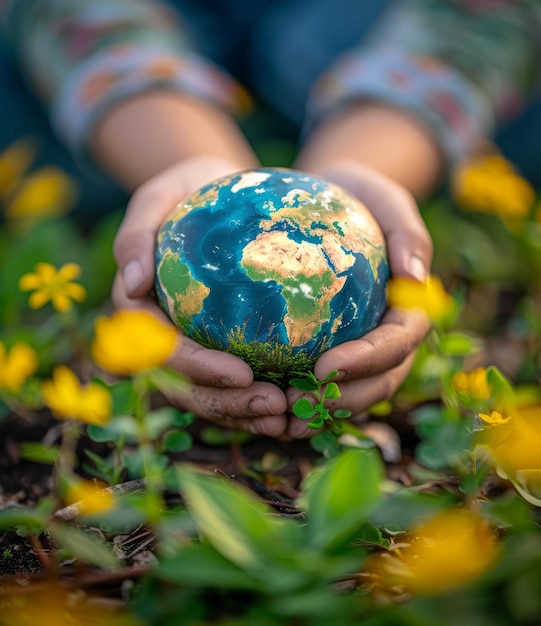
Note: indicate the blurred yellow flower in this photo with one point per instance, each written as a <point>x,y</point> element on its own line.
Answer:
<point>51,604</point>
<point>491,184</point>
<point>516,445</point>
<point>16,366</point>
<point>473,382</point>
<point>91,497</point>
<point>495,418</point>
<point>132,341</point>
<point>429,296</point>
<point>55,285</point>
<point>450,550</point>
<point>68,399</point>
<point>14,162</point>
<point>46,192</point>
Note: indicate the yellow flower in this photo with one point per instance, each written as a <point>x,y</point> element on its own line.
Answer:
<point>474,383</point>
<point>491,184</point>
<point>91,498</point>
<point>51,604</point>
<point>16,366</point>
<point>44,193</point>
<point>428,296</point>
<point>450,550</point>
<point>516,445</point>
<point>14,162</point>
<point>495,418</point>
<point>68,399</point>
<point>56,286</point>
<point>132,341</point>
<point>514,448</point>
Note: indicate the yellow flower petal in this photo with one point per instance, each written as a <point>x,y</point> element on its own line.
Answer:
<point>494,418</point>
<point>38,299</point>
<point>96,406</point>
<point>14,162</point>
<point>16,366</point>
<point>132,341</point>
<point>69,271</point>
<point>68,399</point>
<point>76,292</point>
<point>46,271</point>
<point>91,498</point>
<point>61,302</point>
<point>30,281</point>
<point>428,296</point>
<point>44,193</point>
<point>448,551</point>
<point>473,382</point>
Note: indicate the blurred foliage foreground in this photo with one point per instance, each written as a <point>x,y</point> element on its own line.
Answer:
<point>452,538</point>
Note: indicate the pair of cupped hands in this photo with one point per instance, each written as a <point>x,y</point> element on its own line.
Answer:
<point>222,388</point>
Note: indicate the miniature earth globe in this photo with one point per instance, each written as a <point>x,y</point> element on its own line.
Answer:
<point>274,266</point>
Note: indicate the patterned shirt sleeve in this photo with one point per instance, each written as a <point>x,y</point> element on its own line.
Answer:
<point>462,66</point>
<point>81,57</point>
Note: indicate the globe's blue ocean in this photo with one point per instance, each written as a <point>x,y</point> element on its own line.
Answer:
<point>275,257</point>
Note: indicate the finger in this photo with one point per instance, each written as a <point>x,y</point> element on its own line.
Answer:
<point>259,409</point>
<point>408,242</point>
<point>357,395</point>
<point>383,348</point>
<point>135,242</point>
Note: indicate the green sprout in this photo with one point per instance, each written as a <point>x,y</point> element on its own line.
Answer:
<point>322,390</point>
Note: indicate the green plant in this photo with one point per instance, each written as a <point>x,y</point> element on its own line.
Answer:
<point>321,390</point>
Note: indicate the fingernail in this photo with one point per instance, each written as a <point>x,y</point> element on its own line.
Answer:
<point>417,268</point>
<point>260,406</point>
<point>342,375</point>
<point>132,276</point>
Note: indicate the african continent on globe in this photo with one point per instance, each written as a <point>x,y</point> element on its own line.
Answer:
<point>273,265</point>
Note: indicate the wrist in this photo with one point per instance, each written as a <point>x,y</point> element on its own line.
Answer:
<point>384,138</point>
<point>151,132</point>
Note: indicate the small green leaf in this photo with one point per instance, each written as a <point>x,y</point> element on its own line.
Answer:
<point>303,409</point>
<point>502,388</point>
<point>459,344</point>
<point>27,517</point>
<point>304,384</point>
<point>332,391</point>
<point>381,409</point>
<point>371,536</point>
<point>316,423</point>
<point>158,421</point>
<point>88,548</point>
<point>124,397</point>
<point>325,442</point>
<point>341,414</point>
<point>123,427</point>
<point>38,453</point>
<point>177,441</point>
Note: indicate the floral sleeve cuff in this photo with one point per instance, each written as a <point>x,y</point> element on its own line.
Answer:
<point>454,110</point>
<point>116,73</point>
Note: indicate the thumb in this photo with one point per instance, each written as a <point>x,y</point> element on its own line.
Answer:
<point>135,242</point>
<point>134,255</point>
